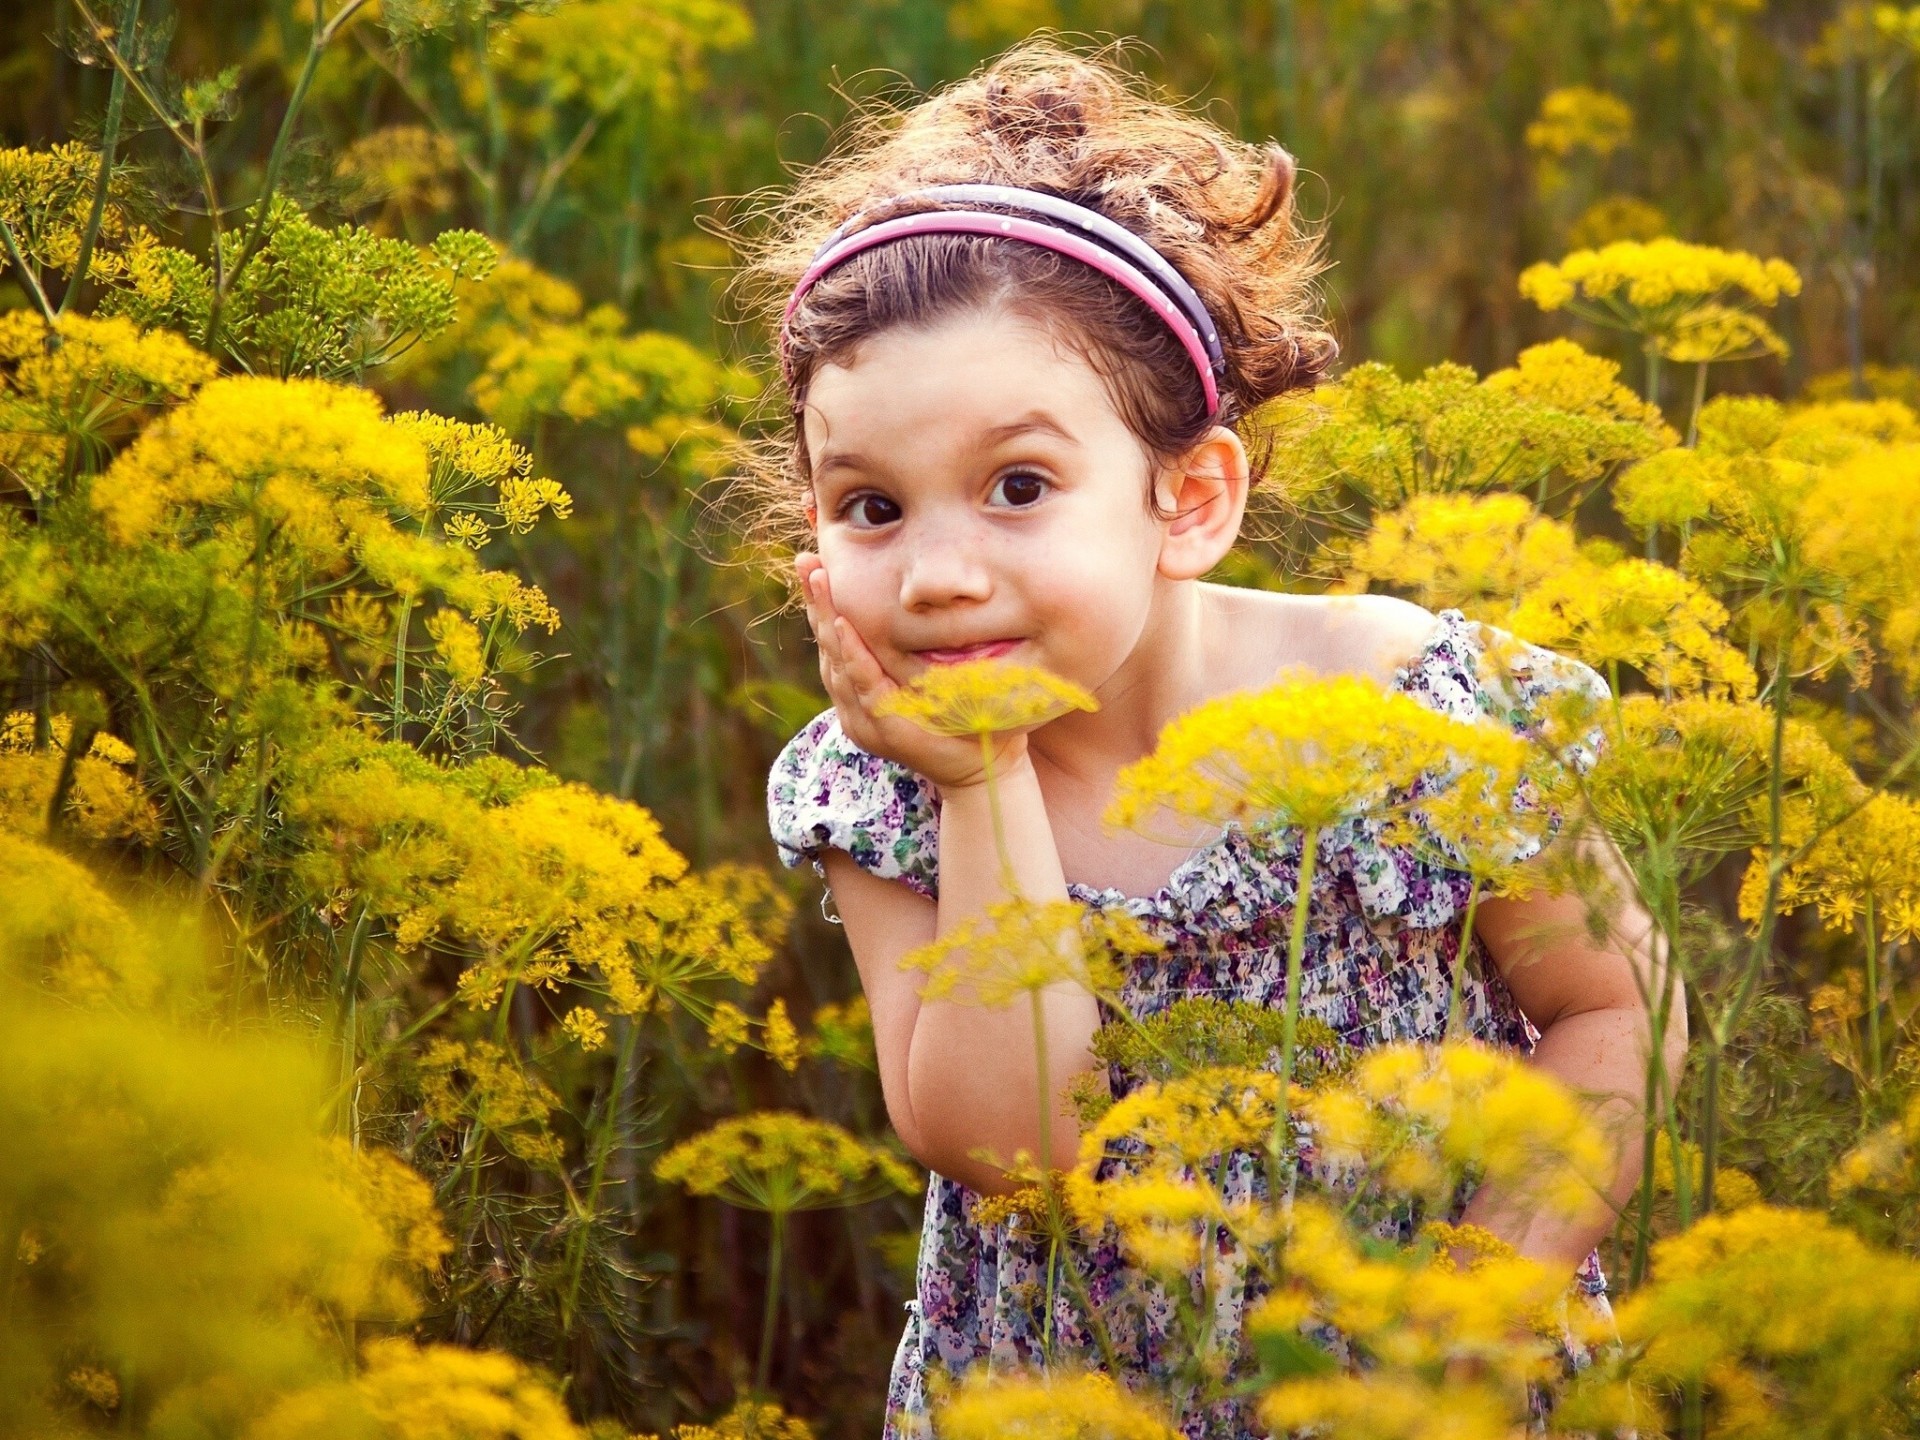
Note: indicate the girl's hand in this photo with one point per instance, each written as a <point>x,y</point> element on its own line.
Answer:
<point>856,684</point>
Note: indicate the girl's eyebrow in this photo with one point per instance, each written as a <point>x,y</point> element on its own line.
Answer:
<point>1036,422</point>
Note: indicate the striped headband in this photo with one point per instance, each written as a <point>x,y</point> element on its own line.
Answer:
<point>1069,229</point>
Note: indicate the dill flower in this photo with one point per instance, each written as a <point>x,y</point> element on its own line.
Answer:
<point>1017,947</point>
<point>1617,217</point>
<point>780,1162</point>
<point>431,1392</point>
<point>987,1406</point>
<point>1417,1119</point>
<point>1712,333</point>
<point>1649,286</point>
<point>1578,117</point>
<point>483,1087</point>
<point>985,697</point>
<point>1782,1302</point>
<point>1408,1315</point>
<point>780,1040</point>
<point>1642,614</point>
<point>586,1027</point>
<point>843,1033</point>
<point>1185,1123</point>
<point>748,1420</point>
<point>1305,752</point>
<point>1476,553</point>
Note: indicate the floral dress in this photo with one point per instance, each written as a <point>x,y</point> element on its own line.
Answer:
<point>1382,936</point>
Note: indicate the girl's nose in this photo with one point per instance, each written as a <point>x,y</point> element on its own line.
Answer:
<point>942,569</point>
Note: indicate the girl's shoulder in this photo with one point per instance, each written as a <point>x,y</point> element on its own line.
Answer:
<point>826,793</point>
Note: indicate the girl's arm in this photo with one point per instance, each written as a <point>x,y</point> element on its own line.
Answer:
<point>958,1078</point>
<point>1590,1003</point>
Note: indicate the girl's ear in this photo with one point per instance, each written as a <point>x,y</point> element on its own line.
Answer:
<point>1206,493</point>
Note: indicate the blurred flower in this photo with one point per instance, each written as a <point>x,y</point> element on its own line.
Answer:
<point>1061,1406</point>
<point>984,697</point>
<point>780,1162</point>
<point>1017,947</point>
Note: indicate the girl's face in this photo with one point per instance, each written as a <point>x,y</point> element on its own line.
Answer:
<point>975,494</point>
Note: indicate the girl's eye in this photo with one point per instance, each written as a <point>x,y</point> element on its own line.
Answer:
<point>1021,488</point>
<point>869,511</point>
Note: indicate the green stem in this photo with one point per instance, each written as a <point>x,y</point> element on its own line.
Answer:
<point>776,1245</point>
<point>603,1150</point>
<point>1873,997</point>
<point>109,142</point>
<point>1699,399</point>
<point>31,282</point>
<point>1456,1020</point>
<point>1296,949</point>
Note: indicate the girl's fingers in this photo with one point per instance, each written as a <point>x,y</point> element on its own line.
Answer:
<point>870,679</point>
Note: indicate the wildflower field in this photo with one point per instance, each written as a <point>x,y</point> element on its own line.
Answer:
<point>407,1028</point>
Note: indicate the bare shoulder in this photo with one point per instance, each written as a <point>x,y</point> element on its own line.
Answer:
<point>1376,634</point>
<point>1371,635</point>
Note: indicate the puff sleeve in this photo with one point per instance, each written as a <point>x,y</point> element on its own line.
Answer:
<point>826,793</point>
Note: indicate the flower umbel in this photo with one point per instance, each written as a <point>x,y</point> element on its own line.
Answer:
<point>985,697</point>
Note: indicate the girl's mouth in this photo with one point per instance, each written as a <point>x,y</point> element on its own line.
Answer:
<point>986,650</point>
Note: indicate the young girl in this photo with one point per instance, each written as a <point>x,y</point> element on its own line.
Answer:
<point>1018,331</point>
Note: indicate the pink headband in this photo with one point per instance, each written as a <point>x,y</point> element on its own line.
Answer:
<point>1203,347</point>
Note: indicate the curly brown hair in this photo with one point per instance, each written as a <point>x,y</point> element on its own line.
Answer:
<point>1044,117</point>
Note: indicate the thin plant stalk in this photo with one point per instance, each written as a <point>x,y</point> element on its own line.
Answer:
<point>776,1249</point>
<point>1296,950</point>
<point>1456,1019</point>
<point>1873,995</point>
<point>109,143</point>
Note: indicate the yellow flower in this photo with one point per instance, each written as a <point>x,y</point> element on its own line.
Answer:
<point>1578,117</point>
<point>1476,553</point>
<point>1306,752</point>
<point>1186,1123</point>
<point>1712,333</point>
<point>987,1406</point>
<point>1638,613</point>
<point>1419,1118</point>
<point>586,1027</point>
<point>1650,276</point>
<point>1786,1301</point>
<point>780,1039</point>
<point>985,697</point>
<point>1019,948</point>
<point>779,1162</point>
<point>747,1420</point>
<point>433,1392</point>
<point>1617,217</point>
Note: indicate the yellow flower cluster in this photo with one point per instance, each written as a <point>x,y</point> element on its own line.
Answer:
<point>1869,862</point>
<point>985,697</point>
<point>1476,553</point>
<point>104,799</point>
<point>479,1084</point>
<point>1020,947</point>
<point>748,1420</point>
<point>1779,1314</point>
<point>1416,1120</point>
<point>63,404</point>
<point>1578,117</point>
<point>540,882</point>
<point>1657,278</point>
<point>780,1162</point>
<point>1409,1315</point>
<point>427,1392</point>
<point>1641,614</point>
<point>1558,411</point>
<point>1692,775</point>
<point>1304,752</point>
<point>1059,1406</point>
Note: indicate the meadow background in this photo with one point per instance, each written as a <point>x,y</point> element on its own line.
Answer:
<point>385,898</point>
